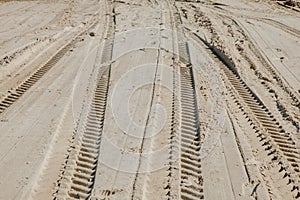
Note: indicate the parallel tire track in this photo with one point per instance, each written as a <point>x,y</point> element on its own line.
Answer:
<point>278,143</point>
<point>80,171</point>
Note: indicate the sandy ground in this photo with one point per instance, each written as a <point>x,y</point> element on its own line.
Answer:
<point>149,99</point>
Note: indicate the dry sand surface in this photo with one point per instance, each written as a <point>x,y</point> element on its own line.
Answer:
<point>150,99</point>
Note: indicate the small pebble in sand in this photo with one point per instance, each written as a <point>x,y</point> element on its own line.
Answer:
<point>92,34</point>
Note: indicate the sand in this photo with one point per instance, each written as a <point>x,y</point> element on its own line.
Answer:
<point>149,99</point>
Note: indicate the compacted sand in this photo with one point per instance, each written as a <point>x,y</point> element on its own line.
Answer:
<point>149,99</point>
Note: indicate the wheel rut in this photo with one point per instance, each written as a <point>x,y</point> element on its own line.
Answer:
<point>18,91</point>
<point>191,185</point>
<point>191,180</point>
<point>280,145</point>
<point>15,94</point>
<point>80,170</point>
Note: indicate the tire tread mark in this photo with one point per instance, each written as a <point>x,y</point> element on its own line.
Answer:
<point>79,175</point>
<point>23,87</point>
<point>271,134</point>
<point>16,93</point>
<point>191,185</point>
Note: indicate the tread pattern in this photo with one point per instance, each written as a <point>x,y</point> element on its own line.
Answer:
<point>276,141</point>
<point>279,145</point>
<point>191,184</point>
<point>14,95</point>
<point>191,180</point>
<point>79,174</point>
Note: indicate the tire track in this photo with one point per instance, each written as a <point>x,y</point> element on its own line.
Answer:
<point>191,180</point>
<point>184,179</point>
<point>191,185</point>
<point>279,144</point>
<point>23,87</point>
<point>80,170</point>
<point>238,31</point>
<point>283,85</point>
<point>273,72</point>
<point>256,52</point>
<point>16,93</point>
<point>276,141</point>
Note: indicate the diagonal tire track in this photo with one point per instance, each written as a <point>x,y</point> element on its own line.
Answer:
<point>279,144</point>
